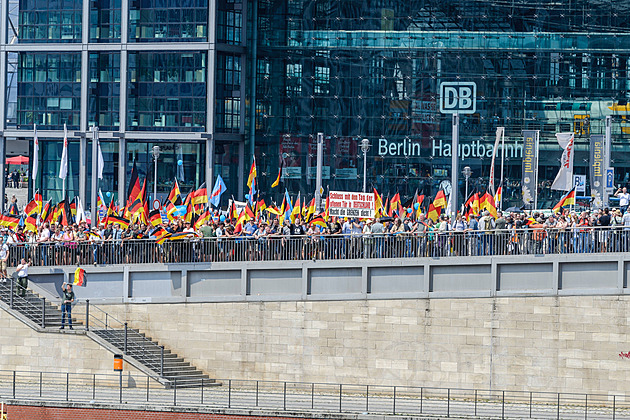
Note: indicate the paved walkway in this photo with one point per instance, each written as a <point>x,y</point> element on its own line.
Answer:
<point>311,399</point>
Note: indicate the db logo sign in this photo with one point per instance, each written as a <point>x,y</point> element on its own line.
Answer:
<point>458,97</point>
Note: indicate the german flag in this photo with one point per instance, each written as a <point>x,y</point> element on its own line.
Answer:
<point>297,209</point>
<point>419,200</point>
<point>440,200</point>
<point>567,200</point>
<point>181,235</point>
<point>38,198</point>
<point>311,209</point>
<point>175,195</point>
<point>200,196</point>
<point>252,174</point>
<point>260,207</point>
<point>121,221</point>
<point>530,221</point>
<point>395,205</point>
<point>203,218</point>
<point>487,203</point>
<point>273,210</point>
<point>161,239</point>
<point>32,208</point>
<point>80,277</point>
<point>378,203</point>
<point>277,181</point>
<point>134,191</point>
<point>46,210</point>
<point>155,219</point>
<point>319,221</point>
<point>9,221</point>
<point>30,223</point>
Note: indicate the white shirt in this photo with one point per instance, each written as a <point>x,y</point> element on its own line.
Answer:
<point>624,199</point>
<point>4,252</point>
<point>22,270</point>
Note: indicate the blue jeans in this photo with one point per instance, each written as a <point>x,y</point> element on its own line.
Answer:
<point>66,308</point>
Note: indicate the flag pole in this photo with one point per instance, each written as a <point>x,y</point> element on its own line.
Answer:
<point>502,163</point>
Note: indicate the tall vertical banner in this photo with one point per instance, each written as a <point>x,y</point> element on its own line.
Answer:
<point>564,179</point>
<point>597,171</point>
<point>500,134</point>
<point>530,168</point>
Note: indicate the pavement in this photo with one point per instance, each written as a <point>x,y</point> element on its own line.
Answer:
<point>20,193</point>
<point>307,400</point>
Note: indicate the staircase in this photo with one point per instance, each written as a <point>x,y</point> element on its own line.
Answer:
<point>169,366</point>
<point>33,307</point>
<point>172,370</point>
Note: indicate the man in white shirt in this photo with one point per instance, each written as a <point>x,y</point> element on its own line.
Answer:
<point>4,258</point>
<point>22,277</point>
<point>624,198</point>
<point>44,236</point>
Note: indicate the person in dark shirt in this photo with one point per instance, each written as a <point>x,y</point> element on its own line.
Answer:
<point>66,304</point>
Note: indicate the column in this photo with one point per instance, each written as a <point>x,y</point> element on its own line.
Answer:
<point>209,162</point>
<point>3,156</point>
<point>122,169</point>
<point>82,168</point>
<point>209,136</point>
<point>241,169</point>
<point>3,101</point>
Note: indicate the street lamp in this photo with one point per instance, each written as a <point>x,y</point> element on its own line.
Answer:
<point>365,146</point>
<point>156,154</point>
<point>467,172</point>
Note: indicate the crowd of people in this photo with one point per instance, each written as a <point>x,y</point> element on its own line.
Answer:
<point>222,240</point>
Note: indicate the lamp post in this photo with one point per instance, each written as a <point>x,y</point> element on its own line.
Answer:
<point>365,146</point>
<point>156,154</point>
<point>467,172</point>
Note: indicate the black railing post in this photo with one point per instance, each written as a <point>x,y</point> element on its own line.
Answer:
<point>41,380</point>
<point>67,386</point>
<point>614,405</point>
<point>475,403</point>
<point>174,391</point>
<point>530,404</point>
<point>229,393</point>
<point>586,407</point>
<point>256,393</point>
<point>94,387</point>
<point>313,396</point>
<point>394,410</point>
<point>43,312</point>
<point>448,403</point>
<point>87,314</point>
<point>202,391</point>
<point>340,388</point>
<point>125,350</point>
<point>161,360</point>
<point>367,398</point>
<point>120,386</point>
<point>148,385</point>
<point>503,404</point>
<point>284,397</point>
<point>13,384</point>
<point>421,392</point>
<point>11,293</point>
<point>558,412</point>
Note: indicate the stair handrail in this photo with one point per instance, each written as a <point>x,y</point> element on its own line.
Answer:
<point>13,297</point>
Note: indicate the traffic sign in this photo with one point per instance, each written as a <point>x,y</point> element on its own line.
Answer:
<point>610,178</point>
<point>156,204</point>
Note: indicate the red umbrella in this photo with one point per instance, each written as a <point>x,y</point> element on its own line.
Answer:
<point>17,160</point>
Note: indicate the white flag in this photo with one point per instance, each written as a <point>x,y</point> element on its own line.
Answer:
<point>63,168</point>
<point>101,161</point>
<point>564,179</point>
<point>80,217</point>
<point>500,132</point>
<point>35,154</point>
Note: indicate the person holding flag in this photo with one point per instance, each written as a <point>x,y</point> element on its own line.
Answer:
<point>67,299</point>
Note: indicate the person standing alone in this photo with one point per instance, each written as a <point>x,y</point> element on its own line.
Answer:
<point>22,277</point>
<point>66,306</point>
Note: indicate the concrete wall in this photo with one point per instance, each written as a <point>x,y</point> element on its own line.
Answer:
<point>452,277</point>
<point>23,349</point>
<point>559,344</point>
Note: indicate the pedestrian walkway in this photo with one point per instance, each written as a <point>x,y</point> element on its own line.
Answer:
<point>126,389</point>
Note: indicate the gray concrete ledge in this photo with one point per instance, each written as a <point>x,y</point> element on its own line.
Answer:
<point>420,278</point>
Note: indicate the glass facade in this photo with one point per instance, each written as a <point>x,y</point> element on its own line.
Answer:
<point>168,20</point>
<point>50,21</point>
<point>49,90</point>
<point>104,91</point>
<point>167,91</point>
<point>355,70</point>
<point>105,21</point>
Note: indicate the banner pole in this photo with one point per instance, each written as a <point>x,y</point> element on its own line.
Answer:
<point>536,172</point>
<point>502,163</point>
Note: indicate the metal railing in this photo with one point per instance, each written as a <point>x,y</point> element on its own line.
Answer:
<point>312,397</point>
<point>329,247</point>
